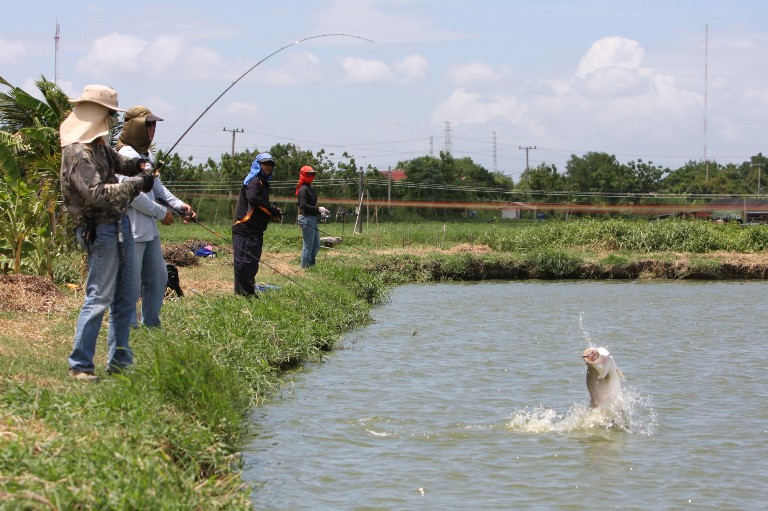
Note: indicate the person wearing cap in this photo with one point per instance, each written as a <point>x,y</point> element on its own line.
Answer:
<point>135,140</point>
<point>97,201</point>
<point>309,212</point>
<point>253,213</point>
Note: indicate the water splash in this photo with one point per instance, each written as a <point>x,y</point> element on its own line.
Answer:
<point>632,413</point>
<point>584,332</point>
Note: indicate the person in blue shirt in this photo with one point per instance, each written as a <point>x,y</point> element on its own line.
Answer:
<point>144,211</point>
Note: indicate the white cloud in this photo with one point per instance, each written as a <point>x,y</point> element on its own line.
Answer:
<point>614,81</point>
<point>113,53</point>
<point>12,52</point>
<point>239,107</point>
<point>165,56</point>
<point>476,73</point>
<point>467,107</point>
<point>611,52</point>
<point>359,70</point>
<point>384,21</point>
<point>409,69</point>
<point>612,102</point>
<point>412,68</point>
<point>298,68</point>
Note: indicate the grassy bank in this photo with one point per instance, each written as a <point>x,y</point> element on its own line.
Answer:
<point>166,435</point>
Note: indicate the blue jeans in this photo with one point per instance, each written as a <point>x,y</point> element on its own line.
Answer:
<point>311,237</point>
<point>152,276</point>
<point>112,283</point>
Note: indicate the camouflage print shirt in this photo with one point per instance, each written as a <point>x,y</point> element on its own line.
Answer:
<point>90,188</point>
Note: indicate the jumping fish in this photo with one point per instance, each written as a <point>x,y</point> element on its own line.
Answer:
<point>603,377</point>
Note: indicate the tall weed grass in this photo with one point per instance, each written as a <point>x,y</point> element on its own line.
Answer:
<point>673,235</point>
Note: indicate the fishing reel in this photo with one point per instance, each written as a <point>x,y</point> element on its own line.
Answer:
<point>276,213</point>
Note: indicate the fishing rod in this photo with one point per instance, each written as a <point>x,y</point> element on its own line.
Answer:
<point>259,260</point>
<point>170,151</point>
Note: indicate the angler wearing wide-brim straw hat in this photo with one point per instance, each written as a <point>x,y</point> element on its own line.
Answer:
<point>97,202</point>
<point>253,212</point>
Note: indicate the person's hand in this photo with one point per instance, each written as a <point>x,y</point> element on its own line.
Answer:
<point>188,213</point>
<point>323,211</point>
<point>277,213</point>
<point>168,220</point>
<point>147,181</point>
<point>144,165</point>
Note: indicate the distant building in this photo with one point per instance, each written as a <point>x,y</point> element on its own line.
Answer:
<point>395,175</point>
<point>513,210</point>
<point>741,209</point>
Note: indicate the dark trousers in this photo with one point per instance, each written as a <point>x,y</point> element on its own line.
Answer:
<point>247,253</point>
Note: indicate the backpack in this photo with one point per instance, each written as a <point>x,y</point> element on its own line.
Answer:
<point>173,280</point>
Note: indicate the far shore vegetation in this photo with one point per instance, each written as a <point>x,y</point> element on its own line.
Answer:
<point>167,433</point>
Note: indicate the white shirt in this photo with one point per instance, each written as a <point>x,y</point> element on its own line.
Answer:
<point>144,211</point>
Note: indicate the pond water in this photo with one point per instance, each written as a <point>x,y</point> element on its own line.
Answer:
<point>473,396</point>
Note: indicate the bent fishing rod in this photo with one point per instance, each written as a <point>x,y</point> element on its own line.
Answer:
<point>170,151</point>
<point>259,260</point>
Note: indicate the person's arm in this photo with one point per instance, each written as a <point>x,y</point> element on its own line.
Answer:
<point>164,195</point>
<point>253,194</point>
<point>144,204</point>
<point>126,165</point>
<point>86,179</point>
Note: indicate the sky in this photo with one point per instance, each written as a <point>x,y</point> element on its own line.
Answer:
<point>662,81</point>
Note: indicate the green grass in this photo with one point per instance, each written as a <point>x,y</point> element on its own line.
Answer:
<point>166,434</point>
<point>691,236</point>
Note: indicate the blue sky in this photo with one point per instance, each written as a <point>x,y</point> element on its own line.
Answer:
<point>568,77</point>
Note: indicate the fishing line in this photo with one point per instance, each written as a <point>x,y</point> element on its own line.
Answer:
<point>352,246</point>
<point>251,69</point>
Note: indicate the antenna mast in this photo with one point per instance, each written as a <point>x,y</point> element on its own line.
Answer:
<point>706,90</point>
<point>56,58</point>
<point>447,133</point>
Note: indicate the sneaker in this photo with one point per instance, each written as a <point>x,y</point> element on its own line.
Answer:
<point>115,370</point>
<point>87,376</point>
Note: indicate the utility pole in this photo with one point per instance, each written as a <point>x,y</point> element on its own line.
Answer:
<point>359,220</point>
<point>236,130</point>
<point>527,148</point>
<point>494,152</point>
<point>448,134</point>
